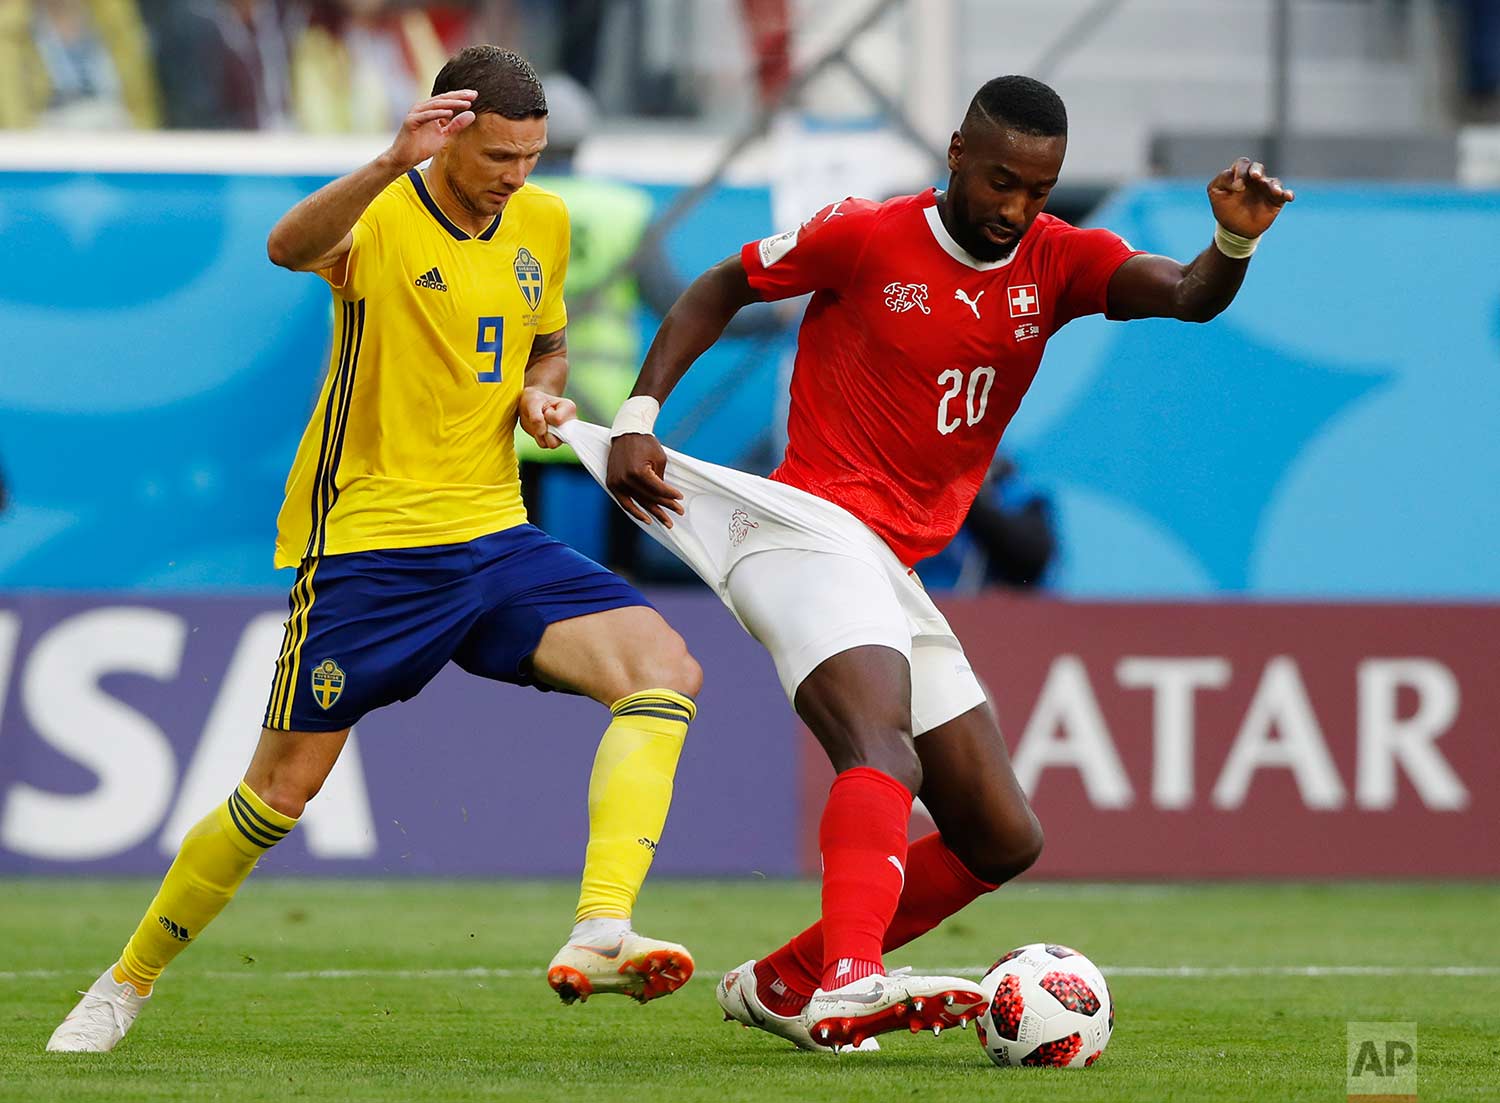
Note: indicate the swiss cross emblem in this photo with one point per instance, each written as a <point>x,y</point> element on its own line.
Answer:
<point>1023,301</point>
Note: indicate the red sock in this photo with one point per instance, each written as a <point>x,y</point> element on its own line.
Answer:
<point>863,841</point>
<point>779,997</point>
<point>937,885</point>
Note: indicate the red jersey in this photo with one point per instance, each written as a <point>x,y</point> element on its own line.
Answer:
<point>913,355</point>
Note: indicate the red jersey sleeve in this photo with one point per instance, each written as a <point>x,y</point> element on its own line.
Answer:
<point>1088,260</point>
<point>821,254</point>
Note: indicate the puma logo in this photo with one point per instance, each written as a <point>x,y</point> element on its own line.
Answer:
<point>972,304</point>
<point>895,861</point>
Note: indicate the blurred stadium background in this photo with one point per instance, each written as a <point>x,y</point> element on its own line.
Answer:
<point>1234,587</point>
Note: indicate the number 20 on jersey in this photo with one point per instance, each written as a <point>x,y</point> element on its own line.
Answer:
<point>976,398</point>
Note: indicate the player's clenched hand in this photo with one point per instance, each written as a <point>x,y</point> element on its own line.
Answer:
<point>539,411</point>
<point>636,465</point>
<point>429,124</point>
<point>1245,200</point>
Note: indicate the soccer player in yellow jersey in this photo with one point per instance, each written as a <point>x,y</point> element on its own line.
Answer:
<point>403,518</point>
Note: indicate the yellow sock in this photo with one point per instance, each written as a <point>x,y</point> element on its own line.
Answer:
<point>215,857</point>
<point>630,790</point>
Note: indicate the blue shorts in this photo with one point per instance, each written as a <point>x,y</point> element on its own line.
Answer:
<point>370,628</point>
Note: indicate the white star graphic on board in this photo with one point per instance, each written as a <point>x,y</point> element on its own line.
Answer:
<point>82,207</point>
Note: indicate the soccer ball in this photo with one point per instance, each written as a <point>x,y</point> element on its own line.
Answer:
<point>1048,1005</point>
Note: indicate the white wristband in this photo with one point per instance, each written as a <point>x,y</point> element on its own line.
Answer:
<point>1232,245</point>
<point>637,415</point>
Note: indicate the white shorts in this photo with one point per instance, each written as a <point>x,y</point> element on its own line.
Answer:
<point>805,577</point>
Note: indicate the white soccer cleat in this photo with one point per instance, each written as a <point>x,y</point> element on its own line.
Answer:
<point>635,966</point>
<point>737,995</point>
<point>99,1020</point>
<point>876,1005</point>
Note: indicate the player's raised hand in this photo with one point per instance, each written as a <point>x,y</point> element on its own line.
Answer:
<point>539,410</point>
<point>430,124</point>
<point>1245,200</point>
<point>637,463</point>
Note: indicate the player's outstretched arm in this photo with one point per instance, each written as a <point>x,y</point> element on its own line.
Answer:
<point>1245,202</point>
<point>316,233</point>
<point>697,319</point>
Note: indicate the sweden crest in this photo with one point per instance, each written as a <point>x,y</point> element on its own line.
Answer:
<point>327,682</point>
<point>529,277</point>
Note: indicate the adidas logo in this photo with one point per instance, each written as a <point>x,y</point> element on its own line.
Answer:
<point>431,279</point>
<point>179,933</point>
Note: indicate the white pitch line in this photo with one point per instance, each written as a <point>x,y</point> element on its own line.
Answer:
<point>1184,972</point>
<point>250,972</point>
<point>1209,972</point>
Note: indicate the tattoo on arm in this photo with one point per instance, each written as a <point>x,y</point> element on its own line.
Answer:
<point>547,366</point>
<point>544,345</point>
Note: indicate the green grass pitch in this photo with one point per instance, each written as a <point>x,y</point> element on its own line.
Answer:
<point>415,991</point>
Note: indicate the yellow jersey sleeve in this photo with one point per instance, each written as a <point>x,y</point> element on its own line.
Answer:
<point>553,312</point>
<point>355,274</point>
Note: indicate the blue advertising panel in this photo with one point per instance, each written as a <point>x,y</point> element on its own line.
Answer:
<point>156,372</point>
<point>1331,435</point>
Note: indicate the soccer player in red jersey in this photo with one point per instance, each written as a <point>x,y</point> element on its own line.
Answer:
<point>928,318</point>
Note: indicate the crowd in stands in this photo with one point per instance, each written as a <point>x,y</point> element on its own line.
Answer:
<point>312,65</point>
<point>341,66</point>
<point>1481,34</point>
<point>316,66</point>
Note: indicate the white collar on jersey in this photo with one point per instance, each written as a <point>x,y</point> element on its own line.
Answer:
<point>957,251</point>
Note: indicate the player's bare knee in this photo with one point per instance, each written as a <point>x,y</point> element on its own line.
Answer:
<point>906,769</point>
<point>1025,848</point>
<point>680,672</point>
<point>664,662</point>
<point>888,750</point>
<point>287,789</point>
<point>287,794</point>
<point>1003,852</point>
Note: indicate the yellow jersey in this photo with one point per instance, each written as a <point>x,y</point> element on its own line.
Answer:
<point>410,444</point>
